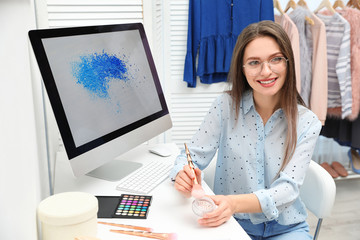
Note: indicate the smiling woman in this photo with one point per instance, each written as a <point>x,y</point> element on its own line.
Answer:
<point>266,40</point>
<point>264,137</point>
<point>265,79</point>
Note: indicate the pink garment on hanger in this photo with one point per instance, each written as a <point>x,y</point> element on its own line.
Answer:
<point>319,86</point>
<point>290,28</point>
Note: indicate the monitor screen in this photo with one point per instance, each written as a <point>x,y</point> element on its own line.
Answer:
<point>103,88</point>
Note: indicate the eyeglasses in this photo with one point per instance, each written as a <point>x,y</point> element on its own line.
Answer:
<point>276,64</point>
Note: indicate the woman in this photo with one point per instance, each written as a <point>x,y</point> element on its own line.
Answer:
<point>264,136</point>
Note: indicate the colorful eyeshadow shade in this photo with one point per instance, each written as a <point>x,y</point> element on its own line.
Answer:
<point>133,206</point>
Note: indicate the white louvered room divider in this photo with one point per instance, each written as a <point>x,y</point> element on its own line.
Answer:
<point>68,13</point>
<point>188,106</point>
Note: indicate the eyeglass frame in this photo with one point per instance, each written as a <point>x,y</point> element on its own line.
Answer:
<point>269,65</point>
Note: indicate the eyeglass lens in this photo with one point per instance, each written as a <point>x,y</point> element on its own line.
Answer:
<point>276,64</point>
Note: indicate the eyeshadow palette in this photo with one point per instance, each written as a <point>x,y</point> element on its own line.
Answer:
<point>133,206</point>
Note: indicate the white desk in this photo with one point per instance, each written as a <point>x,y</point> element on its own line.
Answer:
<point>169,212</point>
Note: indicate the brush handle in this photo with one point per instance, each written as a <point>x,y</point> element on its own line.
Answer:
<point>161,236</point>
<point>195,179</point>
<point>127,226</point>
<point>190,163</point>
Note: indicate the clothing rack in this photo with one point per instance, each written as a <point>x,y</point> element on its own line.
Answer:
<point>325,5</point>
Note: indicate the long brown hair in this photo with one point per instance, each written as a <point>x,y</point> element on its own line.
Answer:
<point>289,94</point>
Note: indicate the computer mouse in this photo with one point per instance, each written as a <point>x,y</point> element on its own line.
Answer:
<point>160,150</point>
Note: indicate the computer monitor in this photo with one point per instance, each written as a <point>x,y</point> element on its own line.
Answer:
<point>104,91</point>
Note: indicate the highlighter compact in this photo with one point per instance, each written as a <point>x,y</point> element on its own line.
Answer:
<point>201,206</point>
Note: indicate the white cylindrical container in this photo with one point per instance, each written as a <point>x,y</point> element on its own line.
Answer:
<point>201,206</point>
<point>65,216</point>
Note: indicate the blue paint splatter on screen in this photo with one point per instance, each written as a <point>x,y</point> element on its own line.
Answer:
<point>94,72</point>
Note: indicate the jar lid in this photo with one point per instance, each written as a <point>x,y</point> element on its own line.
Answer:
<point>67,208</point>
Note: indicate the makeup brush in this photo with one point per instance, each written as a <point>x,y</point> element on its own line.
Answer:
<point>128,226</point>
<point>197,190</point>
<point>161,236</point>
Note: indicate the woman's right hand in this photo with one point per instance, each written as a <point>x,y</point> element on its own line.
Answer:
<point>184,180</point>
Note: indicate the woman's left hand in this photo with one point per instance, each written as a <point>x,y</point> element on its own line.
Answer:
<point>221,214</point>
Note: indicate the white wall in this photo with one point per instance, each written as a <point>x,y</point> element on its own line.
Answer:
<point>21,186</point>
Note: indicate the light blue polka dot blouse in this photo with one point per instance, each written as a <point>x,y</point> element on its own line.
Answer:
<point>250,155</point>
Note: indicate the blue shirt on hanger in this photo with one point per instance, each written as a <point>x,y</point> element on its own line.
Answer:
<point>213,28</point>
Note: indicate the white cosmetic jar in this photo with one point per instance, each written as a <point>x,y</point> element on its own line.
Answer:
<point>201,206</point>
<point>67,215</point>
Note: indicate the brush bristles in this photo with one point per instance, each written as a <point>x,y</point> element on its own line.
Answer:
<point>172,236</point>
<point>197,191</point>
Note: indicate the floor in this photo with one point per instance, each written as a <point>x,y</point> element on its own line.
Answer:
<point>344,223</point>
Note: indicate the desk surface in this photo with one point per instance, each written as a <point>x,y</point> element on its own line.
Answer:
<point>169,212</point>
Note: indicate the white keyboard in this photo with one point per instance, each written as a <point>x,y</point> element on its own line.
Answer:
<point>146,178</point>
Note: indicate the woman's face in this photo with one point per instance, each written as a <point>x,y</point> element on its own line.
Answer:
<point>264,67</point>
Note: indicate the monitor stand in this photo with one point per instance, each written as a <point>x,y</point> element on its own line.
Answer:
<point>115,170</point>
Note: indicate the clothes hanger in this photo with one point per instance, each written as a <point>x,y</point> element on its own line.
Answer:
<point>302,3</point>
<point>357,4</point>
<point>291,4</point>
<point>309,20</point>
<point>327,4</point>
<point>278,7</point>
<point>354,4</point>
<point>338,3</point>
